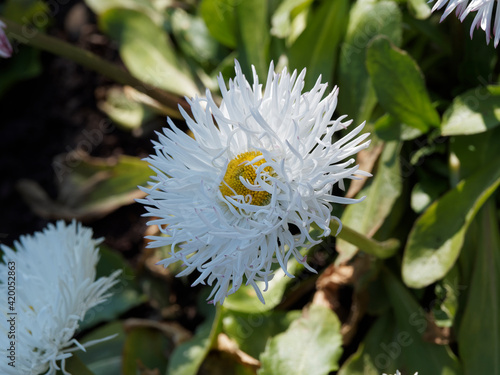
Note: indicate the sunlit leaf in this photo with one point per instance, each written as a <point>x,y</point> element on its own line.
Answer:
<point>438,234</point>
<point>253,36</point>
<point>146,51</point>
<point>399,85</point>
<point>252,331</point>
<point>367,19</point>
<point>220,18</point>
<point>311,345</point>
<point>381,193</point>
<point>188,357</point>
<point>475,111</point>
<point>317,47</point>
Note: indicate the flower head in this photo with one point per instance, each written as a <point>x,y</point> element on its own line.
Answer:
<point>52,276</point>
<point>244,192</point>
<point>485,12</point>
<point>5,47</point>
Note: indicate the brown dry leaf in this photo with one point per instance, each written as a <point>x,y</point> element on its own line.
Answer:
<point>172,330</point>
<point>328,289</point>
<point>366,160</point>
<point>228,346</point>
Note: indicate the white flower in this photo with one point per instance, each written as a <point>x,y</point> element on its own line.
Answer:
<point>51,278</point>
<point>262,163</point>
<point>5,47</point>
<point>485,13</point>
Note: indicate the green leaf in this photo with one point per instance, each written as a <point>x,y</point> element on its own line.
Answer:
<point>311,345</point>
<point>194,39</point>
<point>381,193</point>
<point>357,97</point>
<point>317,47</point>
<point>408,348</point>
<point>475,111</point>
<point>146,51</point>
<point>447,292</point>
<point>245,299</point>
<point>220,18</point>
<point>283,21</point>
<point>153,9</point>
<point>124,295</point>
<point>437,236</point>
<point>21,66</point>
<point>105,357</point>
<point>474,151</point>
<point>370,358</point>
<point>479,331</point>
<point>74,365</point>
<point>253,36</point>
<point>145,347</point>
<point>420,9</point>
<point>399,85</point>
<point>188,357</point>
<point>252,331</point>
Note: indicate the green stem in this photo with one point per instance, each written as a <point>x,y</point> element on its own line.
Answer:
<point>384,249</point>
<point>28,35</point>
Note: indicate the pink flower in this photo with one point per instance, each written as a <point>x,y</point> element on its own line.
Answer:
<point>5,47</point>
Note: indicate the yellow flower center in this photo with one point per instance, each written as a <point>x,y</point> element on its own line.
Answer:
<point>242,165</point>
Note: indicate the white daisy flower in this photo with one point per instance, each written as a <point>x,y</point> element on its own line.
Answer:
<point>5,47</point>
<point>50,282</point>
<point>259,172</point>
<point>485,13</point>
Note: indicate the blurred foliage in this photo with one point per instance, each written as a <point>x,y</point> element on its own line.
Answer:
<point>430,96</point>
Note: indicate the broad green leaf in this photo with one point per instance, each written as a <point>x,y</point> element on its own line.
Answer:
<point>317,47</point>
<point>371,358</point>
<point>245,299</point>
<point>473,151</point>
<point>74,365</point>
<point>367,19</point>
<point>420,9</point>
<point>399,85</point>
<point>387,128</point>
<point>220,18</point>
<point>90,187</point>
<point>187,358</point>
<point>146,51</point>
<point>437,236</point>
<point>124,111</point>
<point>426,191</point>
<point>105,357</point>
<point>194,39</point>
<point>311,345</point>
<point>408,348</point>
<point>479,330</point>
<point>253,36</point>
<point>381,193</point>
<point>124,295</point>
<point>475,111</point>
<point>145,347</point>
<point>252,331</point>
<point>153,9</point>
<point>283,18</point>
